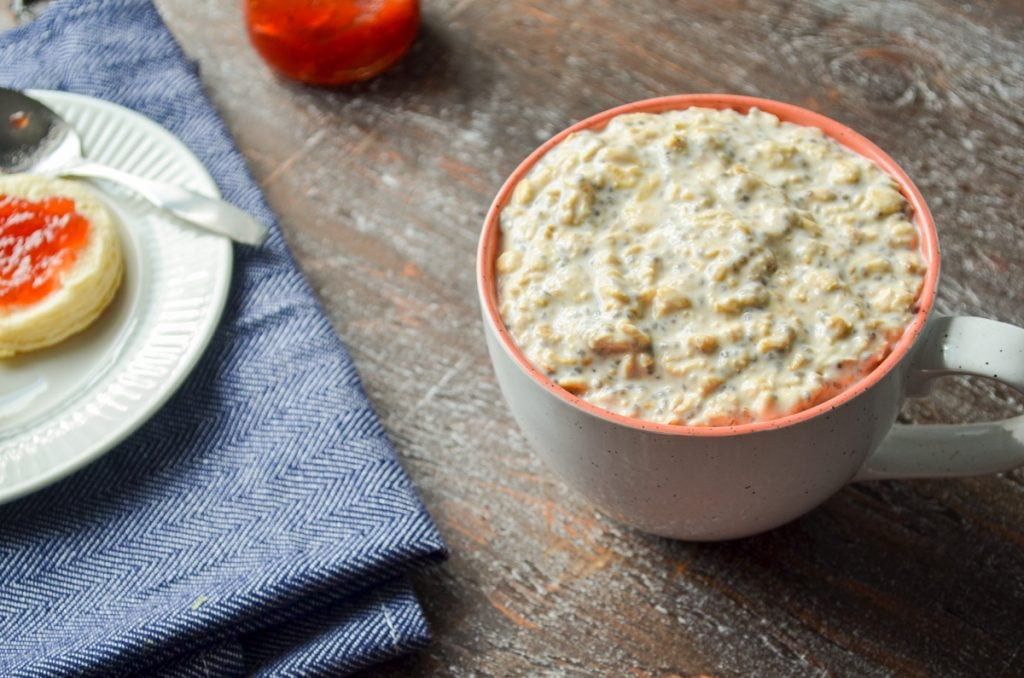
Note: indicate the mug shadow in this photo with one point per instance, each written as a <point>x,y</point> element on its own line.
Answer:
<point>888,571</point>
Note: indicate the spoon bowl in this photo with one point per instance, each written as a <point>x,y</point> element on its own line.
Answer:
<point>33,137</point>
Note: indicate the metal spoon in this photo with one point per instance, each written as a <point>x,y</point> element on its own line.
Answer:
<point>34,138</point>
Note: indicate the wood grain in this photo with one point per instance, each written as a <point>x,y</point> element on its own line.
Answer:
<point>381,189</point>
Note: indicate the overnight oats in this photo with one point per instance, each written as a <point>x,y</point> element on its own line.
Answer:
<point>706,267</point>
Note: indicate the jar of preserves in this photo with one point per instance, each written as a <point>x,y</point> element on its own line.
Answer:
<point>332,42</point>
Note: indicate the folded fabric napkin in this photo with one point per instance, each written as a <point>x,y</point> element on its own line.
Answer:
<point>260,522</point>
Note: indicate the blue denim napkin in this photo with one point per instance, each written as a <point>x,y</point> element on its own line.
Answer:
<point>260,523</point>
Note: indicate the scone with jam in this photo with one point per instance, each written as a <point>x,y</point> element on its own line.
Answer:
<point>60,261</point>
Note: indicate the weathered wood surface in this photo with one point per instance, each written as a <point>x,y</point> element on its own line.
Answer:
<point>381,189</point>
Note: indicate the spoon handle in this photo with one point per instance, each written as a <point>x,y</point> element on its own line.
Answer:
<point>207,213</point>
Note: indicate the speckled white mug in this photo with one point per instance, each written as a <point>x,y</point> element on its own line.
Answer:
<point>709,483</point>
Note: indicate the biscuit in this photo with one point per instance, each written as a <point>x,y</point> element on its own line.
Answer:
<point>83,290</point>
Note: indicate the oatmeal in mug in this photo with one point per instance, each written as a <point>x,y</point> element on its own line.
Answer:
<point>706,267</point>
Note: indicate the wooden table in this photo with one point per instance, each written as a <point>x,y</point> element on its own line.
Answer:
<point>381,189</point>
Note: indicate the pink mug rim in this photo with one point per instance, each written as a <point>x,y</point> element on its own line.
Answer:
<point>490,236</point>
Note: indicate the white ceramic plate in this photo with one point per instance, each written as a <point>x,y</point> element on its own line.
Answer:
<point>62,407</point>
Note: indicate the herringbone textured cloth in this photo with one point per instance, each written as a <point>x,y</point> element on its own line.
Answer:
<point>260,523</point>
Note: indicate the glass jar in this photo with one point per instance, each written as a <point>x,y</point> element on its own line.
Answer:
<point>332,42</point>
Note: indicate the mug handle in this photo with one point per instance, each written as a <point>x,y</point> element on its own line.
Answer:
<point>962,345</point>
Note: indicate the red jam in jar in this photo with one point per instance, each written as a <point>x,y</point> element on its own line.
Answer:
<point>39,241</point>
<point>332,42</point>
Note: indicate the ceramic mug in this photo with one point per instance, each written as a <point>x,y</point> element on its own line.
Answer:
<point>710,483</point>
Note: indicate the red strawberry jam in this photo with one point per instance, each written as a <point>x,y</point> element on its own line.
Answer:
<point>38,242</point>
